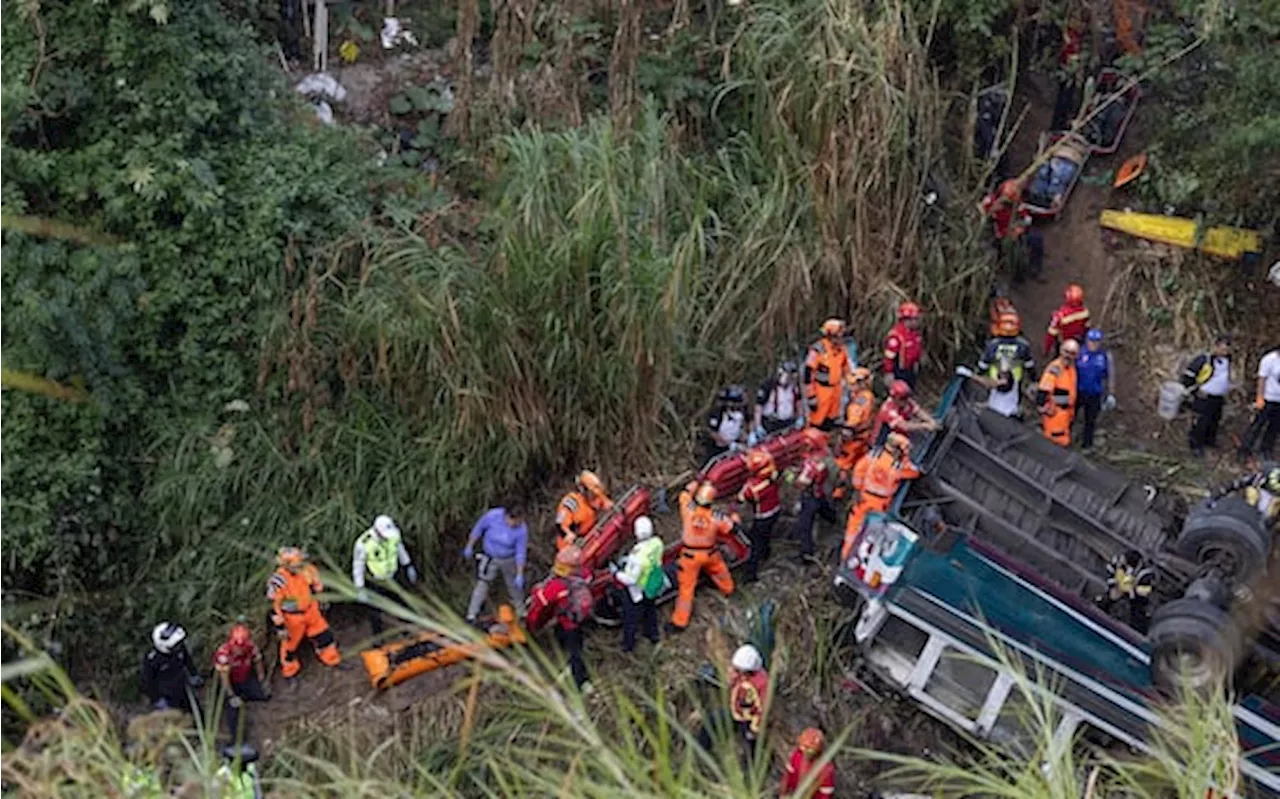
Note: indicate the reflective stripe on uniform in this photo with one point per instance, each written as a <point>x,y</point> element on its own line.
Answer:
<point>380,554</point>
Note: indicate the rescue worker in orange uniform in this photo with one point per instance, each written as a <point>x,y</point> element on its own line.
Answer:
<point>903,347</point>
<point>808,749</point>
<point>703,528</point>
<point>1056,396</point>
<point>295,612</point>
<point>877,477</point>
<point>855,433</point>
<point>577,512</point>
<point>824,369</point>
<point>748,692</point>
<point>1069,321</point>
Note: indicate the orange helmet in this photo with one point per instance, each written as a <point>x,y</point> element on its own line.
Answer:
<point>815,438</point>
<point>759,462</point>
<point>290,557</point>
<point>706,493</point>
<point>858,375</point>
<point>568,560</point>
<point>1010,190</point>
<point>811,742</point>
<point>900,389</point>
<point>833,327</point>
<point>897,442</point>
<point>1074,295</point>
<point>591,483</point>
<point>240,635</point>
<point>1007,323</point>
<point>908,310</point>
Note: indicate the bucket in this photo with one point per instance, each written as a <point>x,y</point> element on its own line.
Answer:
<point>1171,393</point>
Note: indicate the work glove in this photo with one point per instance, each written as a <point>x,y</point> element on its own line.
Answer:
<point>235,701</point>
<point>964,371</point>
<point>752,439</point>
<point>412,574</point>
<point>362,595</point>
<point>520,581</point>
<point>469,552</point>
<point>1109,404</point>
<point>799,425</point>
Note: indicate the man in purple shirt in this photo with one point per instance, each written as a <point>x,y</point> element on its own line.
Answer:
<point>504,542</point>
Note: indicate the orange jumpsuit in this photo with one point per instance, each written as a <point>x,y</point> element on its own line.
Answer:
<point>296,609</point>
<point>576,517</point>
<point>855,439</point>
<point>703,527</point>
<point>825,368</point>
<point>1057,400</point>
<point>877,477</point>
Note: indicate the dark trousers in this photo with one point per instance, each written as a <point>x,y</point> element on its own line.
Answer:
<point>382,589</point>
<point>811,506</point>
<point>907,376</point>
<point>761,533</point>
<point>635,615</point>
<point>773,424</point>
<point>1091,404</point>
<point>571,642</point>
<point>1064,106</point>
<point>1023,256</point>
<point>1269,424</point>
<point>1204,430</point>
<point>250,691</point>
<point>710,449</point>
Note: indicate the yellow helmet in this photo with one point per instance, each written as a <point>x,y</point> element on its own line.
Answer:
<point>591,483</point>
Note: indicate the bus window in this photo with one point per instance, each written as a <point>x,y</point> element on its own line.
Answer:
<point>961,683</point>
<point>897,647</point>
<point>1017,726</point>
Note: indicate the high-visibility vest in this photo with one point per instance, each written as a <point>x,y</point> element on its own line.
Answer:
<point>236,787</point>
<point>381,555</point>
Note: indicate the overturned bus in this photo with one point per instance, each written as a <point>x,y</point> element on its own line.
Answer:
<point>993,562</point>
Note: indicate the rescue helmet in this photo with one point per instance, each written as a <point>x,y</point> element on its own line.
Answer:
<point>900,389</point>
<point>643,528</point>
<point>1094,334</point>
<point>386,528</point>
<point>568,560</point>
<point>759,462</point>
<point>733,395</point>
<point>1074,295</point>
<point>815,438</point>
<point>290,557</point>
<point>812,742</point>
<point>898,443</point>
<point>240,635</point>
<point>908,310</point>
<point>590,482</point>
<point>790,367</point>
<point>1010,190</point>
<point>1070,348</point>
<point>858,375</point>
<point>706,493</point>
<point>747,658</point>
<point>166,636</point>
<point>1008,323</point>
<point>833,327</point>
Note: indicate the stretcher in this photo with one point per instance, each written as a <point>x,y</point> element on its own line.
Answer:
<point>396,662</point>
<point>1224,242</point>
<point>1105,130</point>
<point>1051,185</point>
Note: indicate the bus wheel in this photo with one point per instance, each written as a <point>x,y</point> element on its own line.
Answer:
<point>1194,645</point>
<point>1229,534</point>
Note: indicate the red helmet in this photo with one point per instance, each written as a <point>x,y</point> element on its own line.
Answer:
<point>1010,189</point>
<point>900,389</point>
<point>759,462</point>
<point>240,635</point>
<point>815,438</point>
<point>1008,323</point>
<point>908,310</point>
<point>811,742</point>
<point>1074,295</point>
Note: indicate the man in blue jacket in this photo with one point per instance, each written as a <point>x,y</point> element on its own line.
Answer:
<point>504,540</point>
<point>1096,381</point>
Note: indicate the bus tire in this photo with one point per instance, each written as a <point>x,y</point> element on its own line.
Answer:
<point>1229,532</point>
<point>1194,645</point>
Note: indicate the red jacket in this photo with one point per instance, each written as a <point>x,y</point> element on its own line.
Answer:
<point>748,698</point>
<point>552,598</point>
<point>762,492</point>
<point>1069,321</point>
<point>1005,216</point>
<point>814,472</point>
<point>895,414</point>
<point>798,767</point>
<point>902,349</point>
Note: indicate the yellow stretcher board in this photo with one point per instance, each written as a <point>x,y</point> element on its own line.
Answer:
<point>1224,242</point>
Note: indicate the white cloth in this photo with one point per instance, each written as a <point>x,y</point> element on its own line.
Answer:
<point>781,403</point>
<point>731,425</point>
<point>1004,403</point>
<point>1220,381</point>
<point>1269,371</point>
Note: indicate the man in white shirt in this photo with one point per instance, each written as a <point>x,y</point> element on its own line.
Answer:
<point>726,427</point>
<point>777,402</point>
<point>1267,403</point>
<point>1208,379</point>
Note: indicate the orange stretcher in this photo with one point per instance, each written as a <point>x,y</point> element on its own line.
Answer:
<point>396,662</point>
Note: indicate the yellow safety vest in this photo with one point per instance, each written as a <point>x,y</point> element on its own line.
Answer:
<point>381,555</point>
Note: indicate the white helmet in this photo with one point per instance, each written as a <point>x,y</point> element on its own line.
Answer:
<point>166,636</point>
<point>386,528</point>
<point>747,658</point>
<point>643,528</point>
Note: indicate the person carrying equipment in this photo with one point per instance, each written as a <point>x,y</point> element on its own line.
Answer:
<point>168,673</point>
<point>703,527</point>
<point>1208,379</point>
<point>903,347</point>
<point>900,413</point>
<point>777,403</point>
<point>808,749</point>
<point>1131,579</point>
<point>296,612</point>
<point>577,512</point>
<point>1005,364</point>
<point>380,552</point>
<point>1096,378</point>
<point>1069,322</point>
<point>504,540</point>
<point>824,369</point>
<point>761,490</point>
<point>238,663</point>
<point>855,433</point>
<point>727,425</point>
<point>1020,245</point>
<point>641,574</point>
<point>876,478</point>
<point>748,692</point>
<point>1056,397</point>
<point>567,598</point>
<point>812,484</point>
<point>1260,489</point>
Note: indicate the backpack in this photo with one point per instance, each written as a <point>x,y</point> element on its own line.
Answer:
<point>654,582</point>
<point>579,604</point>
